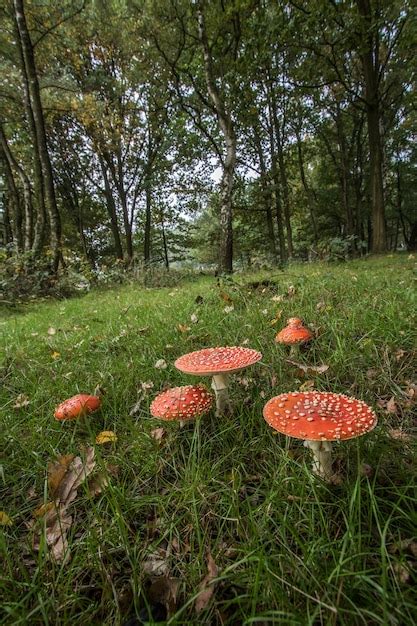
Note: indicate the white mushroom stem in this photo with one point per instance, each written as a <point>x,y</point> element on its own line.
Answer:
<point>219,385</point>
<point>322,455</point>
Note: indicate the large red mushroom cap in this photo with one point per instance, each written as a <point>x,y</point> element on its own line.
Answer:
<point>211,361</point>
<point>182,403</point>
<point>319,416</point>
<point>295,332</point>
<point>77,406</point>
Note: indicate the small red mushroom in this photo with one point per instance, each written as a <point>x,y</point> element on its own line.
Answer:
<point>319,418</point>
<point>218,363</point>
<point>294,334</point>
<point>77,406</point>
<point>182,403</point>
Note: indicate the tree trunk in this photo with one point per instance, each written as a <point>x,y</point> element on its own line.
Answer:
<point>13,204</point>
<point>309,192</point>
<point>276,186</point>
<point>36,106</point>
<point>27,237</point>
<point>267,196</point>
<point>123,202</point>
<point>282,169</point>
<point>111,209</point>
<point>148,224</point>
<point>229,162</point>
<point>371,75</point>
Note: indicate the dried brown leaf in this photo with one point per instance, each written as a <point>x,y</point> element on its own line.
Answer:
<point>21,401</point>
<point>400,435</point>
<point>97,484</point>
<point>206,585</point>
<point>307,385</point>
<point>64,479</point>
<point>156,564</point>
<point>391,406</point>
<point>183,328</point>
<point>157,433</point>
<point>225,296</point>
<point>164,590</point>
<point>318,369</point>
<point>56,472</point>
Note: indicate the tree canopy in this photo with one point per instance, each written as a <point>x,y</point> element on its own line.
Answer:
<point>222,132</point>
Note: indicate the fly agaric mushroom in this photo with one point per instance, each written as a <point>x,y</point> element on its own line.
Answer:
<point>218,363</point>
<point>182,403</point>
<point>319,418</point>
<point>77,406</point>
<point>294,334</point>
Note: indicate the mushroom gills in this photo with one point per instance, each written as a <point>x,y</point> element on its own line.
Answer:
<point>322,458</point>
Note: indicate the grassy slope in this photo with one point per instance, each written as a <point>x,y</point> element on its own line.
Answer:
<point>291,550</point>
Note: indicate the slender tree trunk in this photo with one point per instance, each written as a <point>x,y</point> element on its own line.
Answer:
<point>111,209</point>
<point>309,192</point>
<point>40,223</point>
<point>276,186</point>
<point>123,201</point>
<point>13,203</point>
<point>164,242</point>
<point>282,169</point>
<point>148,224</point>
<point>371,74</point>
<point>27,236</point>
<point>227,127</point>
<point>36,106</point>
<point>267,196</point>
<point>344,172</point>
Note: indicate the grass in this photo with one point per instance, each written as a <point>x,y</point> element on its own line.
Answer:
<point>290,549</point>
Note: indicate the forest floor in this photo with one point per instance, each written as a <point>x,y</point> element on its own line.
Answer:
<point>226,505</point>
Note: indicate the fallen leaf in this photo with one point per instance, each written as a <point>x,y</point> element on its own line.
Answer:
<point>403,545</point>
<point>229,309</point>
<point>55,355</point>
<point>278,298</point>
<point>366,470</point>
<point>56,472</point>
<point>206,586</point>
<point>291,291</point>
<point>183,328</point>
<point>391,406</point>
<point>307,385</point>
<point>400,435</point>
<point>164,590</point>
<point>147,385</point>
<point>319,369</point>
<point>194,318</point>
<point>161,364</point>
<point>156,563</point>
<point>157,433</point>
<point>371,373</point>
<point>106,436</point>
<point>97,484</point>
<point>225,296</point>
<point>245,382</point>
<point>51,331</point>
<point>5,520</point>
<point>399,354</point>
<point>402,571</point>
<point>21,401</point>
<point>56,520</point>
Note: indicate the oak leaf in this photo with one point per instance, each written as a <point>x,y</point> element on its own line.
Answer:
<point>206,586</point>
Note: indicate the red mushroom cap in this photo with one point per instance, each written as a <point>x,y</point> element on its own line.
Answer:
<point>182,403</point>
<point>77,406</point>
<point>210,361</point>
<point>295,332</point>
<point>319,416</point>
